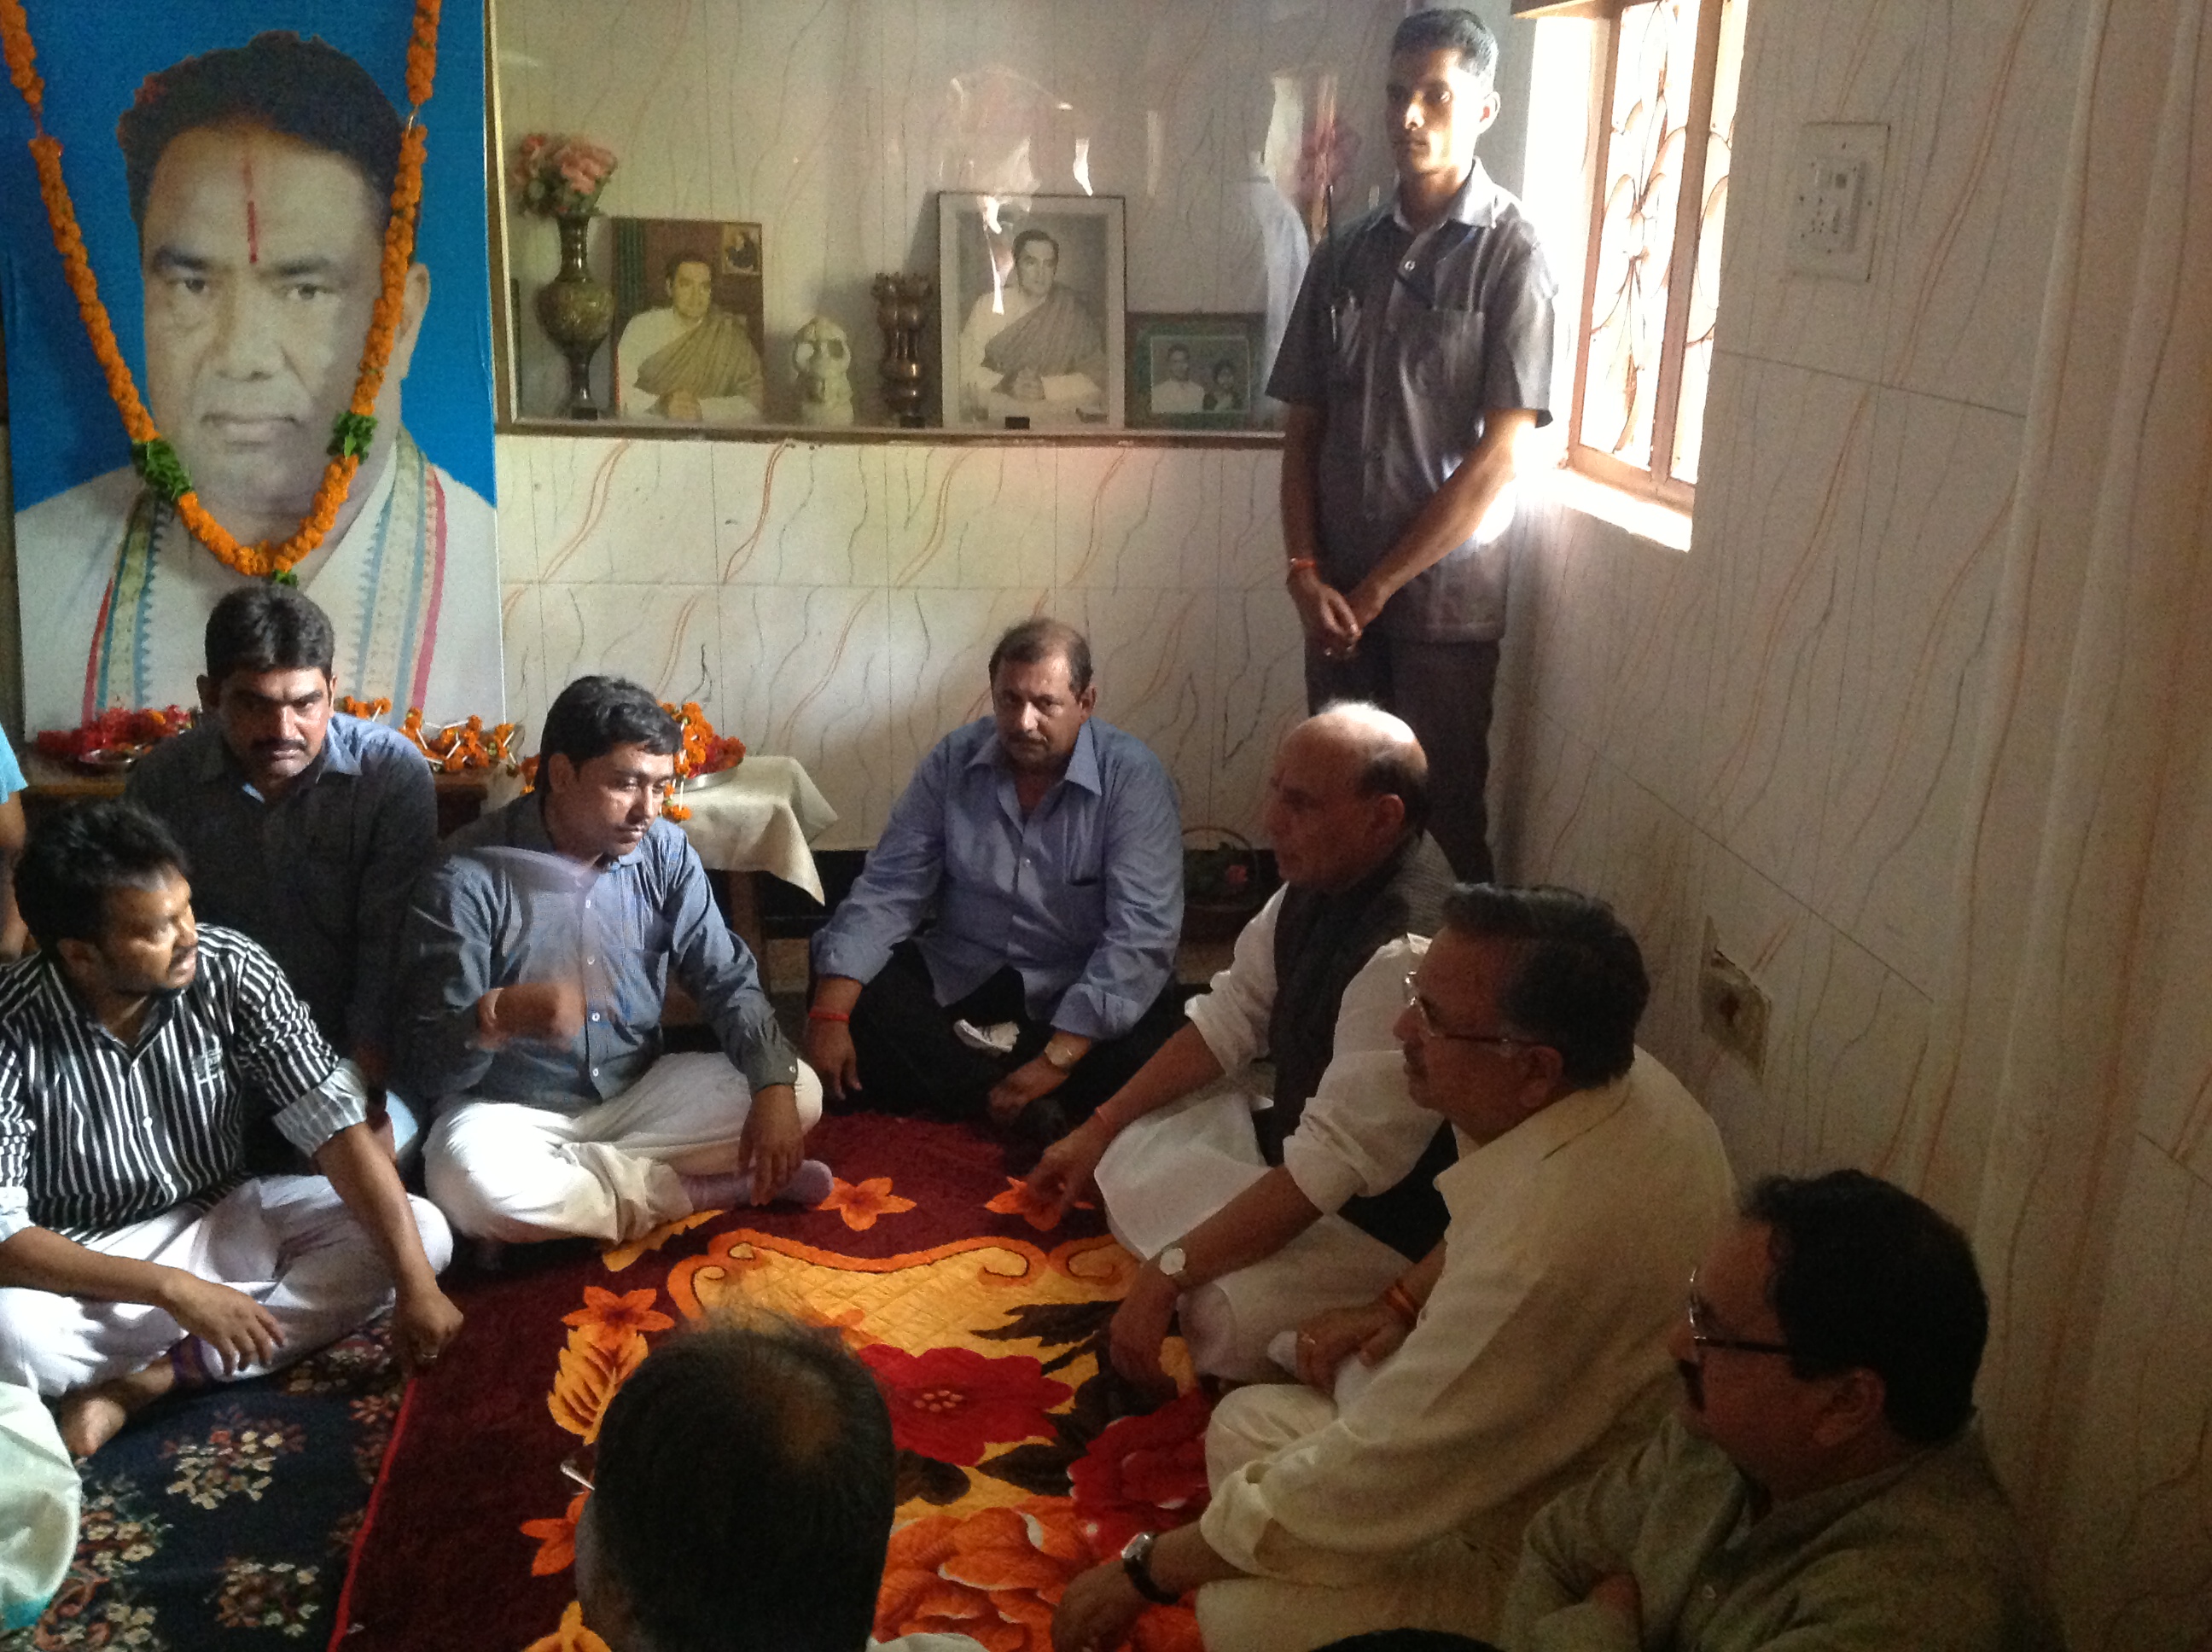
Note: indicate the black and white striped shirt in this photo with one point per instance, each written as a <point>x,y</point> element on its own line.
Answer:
<point>95,1135</point>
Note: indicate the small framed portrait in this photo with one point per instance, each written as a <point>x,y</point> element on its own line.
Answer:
<point>688,322</point>
<point>1030,310</point>
<point>1194,371</point>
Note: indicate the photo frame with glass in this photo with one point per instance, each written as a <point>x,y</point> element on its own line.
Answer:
<point>689,322</point>
<point>1191,371</point>
<point>1031,293</point>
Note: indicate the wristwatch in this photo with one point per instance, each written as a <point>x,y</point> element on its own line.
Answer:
<point>1171,1262</point>
<point>1136,1560</point>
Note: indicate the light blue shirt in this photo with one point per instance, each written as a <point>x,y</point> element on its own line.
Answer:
<point>1083,897</point>
<point>11,772</point>
<point>506,907</point>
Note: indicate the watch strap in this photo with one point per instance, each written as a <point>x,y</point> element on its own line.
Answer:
<point>1137,1561</point>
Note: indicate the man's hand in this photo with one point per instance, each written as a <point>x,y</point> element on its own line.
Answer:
<point>540,1012</point>
<point>240,1330</point>
<point>829,1052</point>
<point>1097,1611</point>
<point>1372,1330</point>
<point>681,404</point>
<point>1330,623</point>
<point>422,1323</point>
<point>1140,1326</point>
<point>773,1140</point>
<point>1619,1591</point>
<point>1065,1172</point>
<point>1034,1077</point>
<point>1026,385</point>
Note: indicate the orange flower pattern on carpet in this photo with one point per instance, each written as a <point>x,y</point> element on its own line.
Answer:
<point>556,1538</point>
<point>612,1320</point>
<point>996,1577</point>
<point>861,1203</point>
<point>953,1404</point>
<point>571,1636</point>
<point>1042,1214</point>
<point>589,1374</point>
<point>1142,1474</point>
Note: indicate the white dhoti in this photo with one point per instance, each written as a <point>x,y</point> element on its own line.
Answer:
<point>1175,1168</point>
<point>1448,1584</point>
<point>517,1173</point>
<point>289,1243</point>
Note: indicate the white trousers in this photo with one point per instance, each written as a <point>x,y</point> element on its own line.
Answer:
<point>288,1242</point>
<point>1172,1169</point>
<point>1448,1584</point>
<point>510,1172</point>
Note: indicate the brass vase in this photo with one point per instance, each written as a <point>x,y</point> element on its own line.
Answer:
<point>577,312</point>
<point>902,302</point>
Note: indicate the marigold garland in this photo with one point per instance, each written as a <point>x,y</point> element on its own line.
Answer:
<point>351,432</point>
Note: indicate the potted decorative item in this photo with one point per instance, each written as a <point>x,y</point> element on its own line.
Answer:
<point>561,178</point>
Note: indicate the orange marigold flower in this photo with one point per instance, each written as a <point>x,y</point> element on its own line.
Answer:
<point>861,1203</point>
<point>612,1321</point>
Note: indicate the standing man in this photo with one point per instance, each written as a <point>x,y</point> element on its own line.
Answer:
<point>1513,1360</point>
<point>1257,1212</point>
<point>305,827</point>
<point>536,957</point>
<point>1822,1483</point>
<point>136,1255</point>
<point>1419,351</point>
<point>1050,847</point>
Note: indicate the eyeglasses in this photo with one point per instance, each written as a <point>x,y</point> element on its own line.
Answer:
<point>1420,1006</point>
<point>1702,1335</point>
<point>579,1465</point>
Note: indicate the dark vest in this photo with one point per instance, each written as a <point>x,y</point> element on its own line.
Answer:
<point>1322,941</point>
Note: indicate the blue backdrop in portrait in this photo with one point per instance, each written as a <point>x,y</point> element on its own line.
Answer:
<point>113,592</point>
<point>65,430</point>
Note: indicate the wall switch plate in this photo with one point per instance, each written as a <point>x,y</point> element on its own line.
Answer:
<point>1732,1007</point>
<point>1838,193</point>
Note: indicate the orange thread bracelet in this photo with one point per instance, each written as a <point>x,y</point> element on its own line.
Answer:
<point>1299,562</point>
<point>1399,1300</point>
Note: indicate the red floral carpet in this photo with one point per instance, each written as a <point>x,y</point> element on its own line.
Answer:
<point>984,1320</point>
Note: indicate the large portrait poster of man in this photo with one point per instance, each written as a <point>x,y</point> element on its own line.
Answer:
<point>231,163</point>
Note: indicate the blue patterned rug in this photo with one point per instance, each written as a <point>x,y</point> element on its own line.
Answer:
<point>226,1519</point>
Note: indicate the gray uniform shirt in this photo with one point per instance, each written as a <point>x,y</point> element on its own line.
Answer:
<point>1408,343</point>
<point>319,878</point>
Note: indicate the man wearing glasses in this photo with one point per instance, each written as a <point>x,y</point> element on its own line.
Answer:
<point>1822,1481</point>
<point>1392,1490</point>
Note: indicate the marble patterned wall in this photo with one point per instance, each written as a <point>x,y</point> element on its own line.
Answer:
<point>837,601</point>
<point>1775,733</point>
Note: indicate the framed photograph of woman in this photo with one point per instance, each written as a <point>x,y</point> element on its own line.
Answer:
<point>1031,310</point>
<point>1194,371</point>
<point>689,313</point>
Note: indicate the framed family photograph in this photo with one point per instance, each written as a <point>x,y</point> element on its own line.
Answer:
<point>1031,310</point>
<point>688,318</point>
<point>1194,371</point>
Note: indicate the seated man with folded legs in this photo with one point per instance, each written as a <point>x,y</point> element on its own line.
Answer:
<point>1258,1213</point>
<point>1391,1491</point>
<point>135,1254</point>
<point>1009,951</point>
<point>305,826</point>
<point>1822,1483</point>
<point>537,956</point>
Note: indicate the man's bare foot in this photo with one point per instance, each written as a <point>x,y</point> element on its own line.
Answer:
<point>89,1418</point>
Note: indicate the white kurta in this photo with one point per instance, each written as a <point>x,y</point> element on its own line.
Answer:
<point>1360,1133</point>
<point>411,588</point>
<point>1540,1351</point>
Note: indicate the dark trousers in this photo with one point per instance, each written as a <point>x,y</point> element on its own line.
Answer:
<point>1443,689</point>
<point>911,1061</point>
